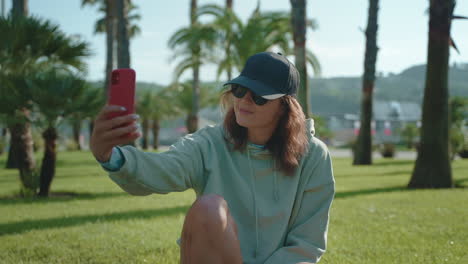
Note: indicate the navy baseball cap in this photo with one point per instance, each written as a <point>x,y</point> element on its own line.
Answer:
<point>269,75</point>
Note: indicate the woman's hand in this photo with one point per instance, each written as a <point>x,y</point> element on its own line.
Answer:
<point>108,133</point>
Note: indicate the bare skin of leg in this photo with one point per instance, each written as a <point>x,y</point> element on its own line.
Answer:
<point>209,234</point>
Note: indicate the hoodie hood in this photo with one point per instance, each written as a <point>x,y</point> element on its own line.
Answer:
<point>310,129</point>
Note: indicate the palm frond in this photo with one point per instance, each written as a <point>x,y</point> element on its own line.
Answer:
<point>183,65</point>
<point>314,63</point>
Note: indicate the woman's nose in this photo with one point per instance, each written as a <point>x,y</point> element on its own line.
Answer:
<point>247,97</point>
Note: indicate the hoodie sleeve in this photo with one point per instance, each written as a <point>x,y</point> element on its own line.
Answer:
<point>307,236</point>
<point>178,169</point>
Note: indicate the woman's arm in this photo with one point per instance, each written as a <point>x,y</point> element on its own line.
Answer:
<point>178,169</point>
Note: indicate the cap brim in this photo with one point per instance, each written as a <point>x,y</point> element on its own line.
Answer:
<point>257,87</point>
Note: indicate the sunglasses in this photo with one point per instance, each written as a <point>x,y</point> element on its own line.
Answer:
<point>240,91</point>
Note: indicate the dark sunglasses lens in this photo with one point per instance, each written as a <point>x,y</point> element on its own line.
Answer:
<point>259,100</point>
<point>238,91</point>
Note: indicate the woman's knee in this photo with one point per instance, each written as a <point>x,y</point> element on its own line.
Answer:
<point>209,211</point>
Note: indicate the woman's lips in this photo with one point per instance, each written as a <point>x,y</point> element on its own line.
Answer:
<point>244,111</point>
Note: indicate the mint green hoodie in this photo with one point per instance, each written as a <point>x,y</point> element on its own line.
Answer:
<point>281,219</point>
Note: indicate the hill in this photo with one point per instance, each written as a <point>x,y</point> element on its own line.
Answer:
<point>343,94</point>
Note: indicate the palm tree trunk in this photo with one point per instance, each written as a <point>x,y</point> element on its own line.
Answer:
<point>123,44</point>
<point>193,11</point>
<point>432,168</point>
<point>48,161</point>
<point>76,127</point>
<point>90,127</point>
<point>12,160</point>
<point>191,123</point>
<point>145,130</point>
<point>3,8</point>
<point>192,119</point>
<point>155,130</point>
<point>110,37</point>
<point>20,8</point>
<point>22,154</point>
<point>228,43</point>
<point>2,140</point>
<point>298,17</point>
<point>363,148</point>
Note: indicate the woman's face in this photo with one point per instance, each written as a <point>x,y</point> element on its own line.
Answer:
<point>250,115</point>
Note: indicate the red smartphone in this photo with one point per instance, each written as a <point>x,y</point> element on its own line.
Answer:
<point>122,91</point>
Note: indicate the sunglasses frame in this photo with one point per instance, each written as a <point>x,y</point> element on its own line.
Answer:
<point>258,100</point>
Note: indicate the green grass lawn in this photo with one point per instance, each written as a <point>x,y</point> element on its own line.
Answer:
<point>374,219</point>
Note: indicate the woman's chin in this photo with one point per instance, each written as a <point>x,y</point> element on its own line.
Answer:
<point>244,121</point>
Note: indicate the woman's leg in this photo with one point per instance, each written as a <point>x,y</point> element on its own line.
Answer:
<point>209,234</point>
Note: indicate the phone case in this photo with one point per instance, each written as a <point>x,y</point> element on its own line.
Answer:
<point>122,91</point>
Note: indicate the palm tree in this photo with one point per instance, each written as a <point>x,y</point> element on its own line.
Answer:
<point>123,44</point>
<point>195,44</point>
<point>261,32</point>
<point>363,147</point>
<point>164,109</point>
<point>27,46</point>
<point>226,24</point>
<point>108,25</point>
<point>15,108</point>
<point>108,6</point>
<point>458,113</point>
<point>181,95</point>
<point>93,100</point>
<point>144,108</point>
<point>3,8</point>
<point>192,124</point>
<point>20,8</point>
<point>154,107</point>
<point>229,12</point>
<point>56,95</point>
<point>298,19</point>
<point>432,168</point>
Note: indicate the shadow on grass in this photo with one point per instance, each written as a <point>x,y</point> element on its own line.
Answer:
<point>59,197</point>
<point>353,174</point>
<point>59,222</point>
<point>347,194</point>
<point>396,172</point>
<point>392,162</point>
<point>9,178</point>
<point>460,183</point>
<point>77,163</point>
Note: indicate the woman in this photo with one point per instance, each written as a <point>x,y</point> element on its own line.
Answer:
<point>264,183</point>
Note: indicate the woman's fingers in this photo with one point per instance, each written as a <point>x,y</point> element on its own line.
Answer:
<point>125,140</point>
<point>119,132</point>
<point>106,125</point>
<point>106,110</point>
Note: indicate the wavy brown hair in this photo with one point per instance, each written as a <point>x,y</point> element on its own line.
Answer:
<point>289,141</point>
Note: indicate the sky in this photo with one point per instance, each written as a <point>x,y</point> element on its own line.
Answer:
<point>338,42</point>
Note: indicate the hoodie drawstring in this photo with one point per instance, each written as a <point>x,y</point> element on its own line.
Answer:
<point>275,196</point>
<point>275,183</point>
<point>254,202</point>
